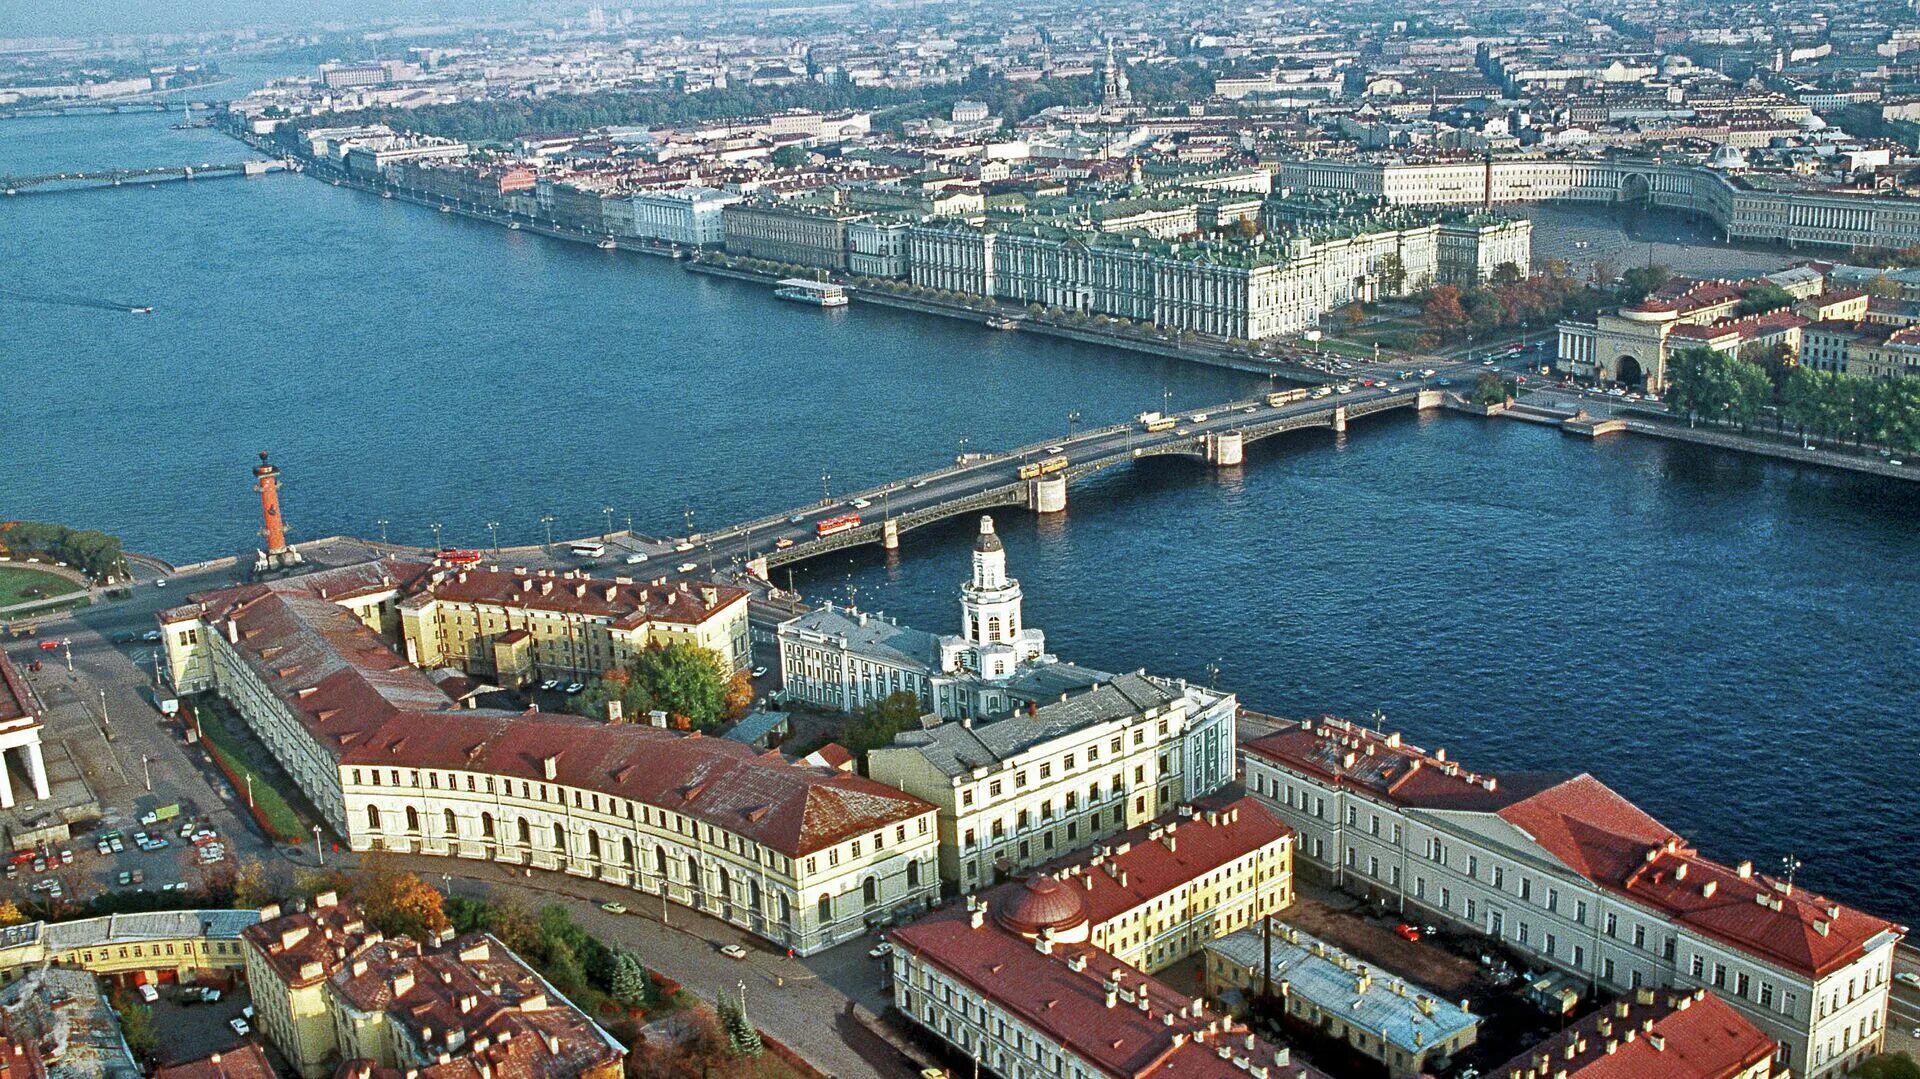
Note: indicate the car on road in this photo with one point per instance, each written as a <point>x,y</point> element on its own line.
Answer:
<point>686,567</point>
<point>758,672</point>
<point>1183,431</point>
<point>148,993</point>
<point>798,518</point>
<point>151,636</point>
<point>1407,932</point>
<point>239,1026</point>
<point>636,558</point>
<point>1250,410</point>
<point>917,484</point>
<point>733,951</point>
<point>575,687</point>
<point>860,503</point>
<point>125,636</point>
<point>1427,372</point>
<point>176,886</point>
<point>683,546</point>
<point>1198,417</point>
<point>1056,449</point>
<point>783,543</point>
<point>1907,977</point>
<point>614,908</point>
<point>550,684</point>
<point>125,878</point>
<point>880,950</point>
<point>159,582</point>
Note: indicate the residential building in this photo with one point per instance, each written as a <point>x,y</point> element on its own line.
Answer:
<point>1013,980</point>
<point>521,626</point>
<point>1156,894</point>
<point>1631,346</point>
<point>804,856</point>
<point>61,1026</point>
<point>470,1002</point>
<point>1576,878</point>
<point>290,958</point>
<point>1403,1026</point>
<point>150,947</point>
<point>690,216</point>
<point>1678,1035</point>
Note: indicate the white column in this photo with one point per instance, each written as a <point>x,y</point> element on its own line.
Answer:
<point>37,770</point>
<point>6,783</point>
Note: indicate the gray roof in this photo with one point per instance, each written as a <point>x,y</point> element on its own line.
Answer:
<point>1047,681</point>
<point>871,636</point>
<point>149,925</point>
<point>755,725</point>
<point>1328,978</point>
<point>956,749</point>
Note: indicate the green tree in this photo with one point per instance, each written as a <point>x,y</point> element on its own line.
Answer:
<point>1489,389</point>
<point>791,156</point>
<point>136,1025</point>
<point>1393,275</point>
<point>874,725</point>
<point>742,1039</point>
<point>1763,297</point>
<point>628,985</point>
<point>690,683</point>
<point>1637,282</point>
<point>1887,1066</point>
<point>1507,273</point>
<point>1881,287</point>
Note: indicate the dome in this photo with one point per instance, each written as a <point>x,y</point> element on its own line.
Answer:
<point>1811,122</point>
<point>988,541</point>
<point>1727,157</point>
<point>1043,902</point>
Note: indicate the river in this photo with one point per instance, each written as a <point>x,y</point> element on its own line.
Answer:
<point>1726,641</point>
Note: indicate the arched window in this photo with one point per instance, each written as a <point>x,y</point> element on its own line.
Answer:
<point>870,891</point>
<point>726,883</point>
<point>913,874</point>
<point>593,845</point>
<point>559,837</point>
<point>486,825</point>
<point>526,833</point>
<point>786,910</point>
<point>753,892</point>
<point>626,848</point>
<point>693,871</point>
<point>453,825</point>
<point>826,909</point>
<point>660,861</point>
<point>993,627</point>
<point>373,818</point>
<point>413,819</point>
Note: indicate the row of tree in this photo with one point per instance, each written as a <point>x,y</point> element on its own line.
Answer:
<point>1719,387</point>
<point>95,554</point>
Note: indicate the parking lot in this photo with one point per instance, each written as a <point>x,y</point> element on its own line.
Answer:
<point>178,854</point>
<point>192,1026</point>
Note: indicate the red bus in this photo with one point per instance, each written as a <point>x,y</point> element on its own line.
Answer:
<point>842,523</point>
<point>459,557</point>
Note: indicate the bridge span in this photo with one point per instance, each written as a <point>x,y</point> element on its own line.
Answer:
<point>1218,436</point>
<point>67,181</point>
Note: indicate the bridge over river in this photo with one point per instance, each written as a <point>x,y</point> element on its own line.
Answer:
<point>1217,435</point>
<point>66,181</point>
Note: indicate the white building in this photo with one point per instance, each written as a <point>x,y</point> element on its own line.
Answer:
<point>687,215</point>
<point>20,723</point>
<point>1576,878</point>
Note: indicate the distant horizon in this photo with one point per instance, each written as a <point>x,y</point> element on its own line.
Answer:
<point>50,18</point>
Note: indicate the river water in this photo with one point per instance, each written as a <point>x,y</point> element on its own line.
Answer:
<point>1726,641</point>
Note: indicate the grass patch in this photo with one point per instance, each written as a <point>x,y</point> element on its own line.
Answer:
<point>229,750</point>
<point>19,584</point>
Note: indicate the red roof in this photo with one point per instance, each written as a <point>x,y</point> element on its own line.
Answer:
<point>625,605</point>
<point>1061,994</point>
<point>1138,866</point>
<point>1657,1036</point>
<point>17,702</point>
<point>244,1061</point>
<point>1600,836</point>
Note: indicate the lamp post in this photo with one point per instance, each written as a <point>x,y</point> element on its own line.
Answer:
<point>318,851</point>
<point>547,519</point>
<point>1073,418</point>
<point>67,643</point>
<point>494,528</point>
<point>608,511</point>
<point>249,790</point>
<point>382,522</point>
<point>436,537</point>
<point>146,767</point>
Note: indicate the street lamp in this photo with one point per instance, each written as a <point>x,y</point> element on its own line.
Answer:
<point>547,519</point>
<point>249,790</point>
<point>146,767</point>
<point>318,851</point>
<point>67,643</point>
<point>382,522</point>
<point>826,491</point>
<point>1072,419</point>
<point>494,528</point>
<point>436,537</point>
<point>608,511</point>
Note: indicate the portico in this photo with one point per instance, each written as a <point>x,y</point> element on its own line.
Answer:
<point>20,713</point>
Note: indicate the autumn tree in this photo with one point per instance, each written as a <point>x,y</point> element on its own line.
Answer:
<point>395,901</point>
<point>10,913</point>
<point>739,700</point>
<point>1444,313</point>
<point>688,682</point>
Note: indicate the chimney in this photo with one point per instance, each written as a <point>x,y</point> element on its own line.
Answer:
<point>1745,869</point>
<point>1113,994</point>
<point>233,632</point>
<point>550,765</point>
<point>1707,889</point>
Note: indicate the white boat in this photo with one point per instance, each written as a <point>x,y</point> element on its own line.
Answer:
<point>386,194</point>
<point>999,322</point>
<point>817,293</point>
<point>445,209</point>
<point>513,226</point>
<point>606,243</point>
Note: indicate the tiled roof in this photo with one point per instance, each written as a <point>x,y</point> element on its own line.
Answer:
<point>624,605</point>
<point>956,748</point>
<point>307,947</point>
<point>792,808</point>
<point>1599,835</point>
<point>18,706</point>
<point>870,635</point>
<point>148,925</point>
<point>1655,1036</point>
<point>1138,866</point>
<point>1149,1029</point>
<point>244,1061</point>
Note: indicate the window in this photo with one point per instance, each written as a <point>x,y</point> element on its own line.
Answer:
<point>1699,966</point>
<point>373,818</point>
<point>413,820</point>
<point>452,823</point>
<point>1613,923</point>
<point>826,909</point>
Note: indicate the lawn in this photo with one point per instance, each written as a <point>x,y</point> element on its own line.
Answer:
<point>19,584</point>
<point>230,751</point>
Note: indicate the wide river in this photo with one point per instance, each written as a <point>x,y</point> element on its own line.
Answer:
<point>1728,642</point>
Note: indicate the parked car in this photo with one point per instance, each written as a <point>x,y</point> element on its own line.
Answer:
<point>758,672</point>
<point>1408,932</point>
<point>614,908</point>
<point>575,687</point>
<point>636,558</point>
<point>239,1026</point>
<point>880,950</point>
<point>733,951</point>
<point>1907,977</point>
<point>687,567</point>
<point>550,684</point>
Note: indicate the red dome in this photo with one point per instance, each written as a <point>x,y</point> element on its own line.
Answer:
<point>1042,902</point>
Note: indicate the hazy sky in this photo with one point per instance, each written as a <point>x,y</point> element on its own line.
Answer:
<point>34,18</point>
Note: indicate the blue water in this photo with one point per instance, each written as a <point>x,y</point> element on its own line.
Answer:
<point>1726,641</point>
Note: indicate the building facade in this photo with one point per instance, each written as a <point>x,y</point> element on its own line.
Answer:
<point>800,234</point>
<point>1679,1034</point>
<point>689,216</point>
<point>1574,877</point>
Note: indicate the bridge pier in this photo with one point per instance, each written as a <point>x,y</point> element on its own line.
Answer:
<point>1340,420</point>
<point>1048,494</point>
<point>890,534</point>
<point>1226,449</point>
<point>1430,399</point>
<point>757,566</point>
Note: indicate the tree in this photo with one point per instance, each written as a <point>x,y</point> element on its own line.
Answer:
<point>1507,274</point>
<point>136,1025</point>
<point>690,683</point>
<point>10,913</point>
<point>742,1039</point>
<point>1637,282</point>
<point>791,156</point>
<point>628,984</point>
<point>739,698</point>
<point>1763,297</point>
<point>1489,389</point>
<point>250,887</point>
<point>1443,313</point>
<point>1393,275</point>
<point>1881,287</point>
<point>1353,314</point>
<point>1887,1066</point>
<point>874,725</point>
<point>394,901</point>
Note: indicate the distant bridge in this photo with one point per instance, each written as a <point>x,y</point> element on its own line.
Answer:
<point>64,181</point>
<point>107,108</point>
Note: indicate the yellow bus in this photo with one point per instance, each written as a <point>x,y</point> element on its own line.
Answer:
<point>1283,397</point>
<point>1161,425</point>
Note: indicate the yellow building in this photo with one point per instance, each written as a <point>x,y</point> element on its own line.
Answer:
<point>290,958</point>
<point>1157,894</point>
<point>518,625</point>
<point>153,947</point>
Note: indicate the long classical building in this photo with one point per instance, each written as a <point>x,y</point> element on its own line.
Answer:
<point>1749,207</point>
<point>803,856</point>
<point>1226,288</point>
<point>1577,878</point>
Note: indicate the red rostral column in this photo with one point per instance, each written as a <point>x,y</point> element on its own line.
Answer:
<point>268,478</point>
